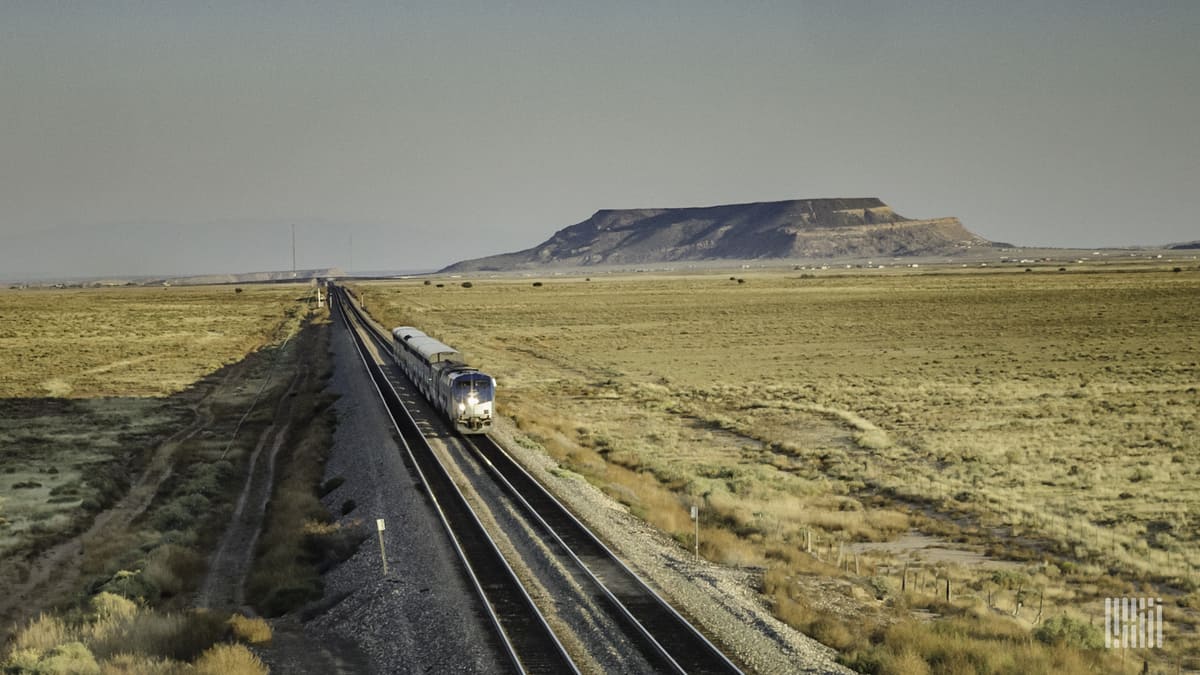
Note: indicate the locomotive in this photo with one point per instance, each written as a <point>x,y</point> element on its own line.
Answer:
<point>462,394</point>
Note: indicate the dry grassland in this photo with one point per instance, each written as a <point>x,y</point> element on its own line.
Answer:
<point>130,342</point>
<point>142,405</point>
<point>92,380</point>
<point>1044,418</point>
<point>116,635</point>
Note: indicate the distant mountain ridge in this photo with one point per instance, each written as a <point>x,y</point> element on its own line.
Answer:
<point>800,228</point>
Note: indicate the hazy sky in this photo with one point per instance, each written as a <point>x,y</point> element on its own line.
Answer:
<point>436,131</point>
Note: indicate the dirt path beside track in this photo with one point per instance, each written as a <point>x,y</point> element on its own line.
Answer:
<point>224,585</point>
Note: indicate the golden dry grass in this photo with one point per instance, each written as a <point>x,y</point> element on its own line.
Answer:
<point>131,341</point>
<point>117,635</point>
<point>91,380</point>
<point>252,630</point>
<point>230,660</point>
<point>1043,415</point>
<point>77,451</point>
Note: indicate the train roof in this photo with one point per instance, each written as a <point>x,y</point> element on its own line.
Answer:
<point>405,332</point>
<point>430,349</point>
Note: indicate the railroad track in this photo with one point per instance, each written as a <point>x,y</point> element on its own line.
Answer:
<point>666,641</point>
<point>531,645</point>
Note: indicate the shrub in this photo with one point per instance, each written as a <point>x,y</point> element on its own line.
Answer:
<point>333,543</point>
<point>830,631</point>
<point>138,664</point>
<point>110,607</point>
<point>21,661</point>
<point>174,569</point>
<point>1063,630</point>
<point>229,660</point>
<point>873,439</point>
<point>207,479</point>
<point>169,636</point>
<point>118,636</point>
<point>289,588</point>
<point>254,630</point>
<point>906,662</point>
<point>72,657</point>
<point>131,585</point>
<point>42,634</point>
<point>147,633</point>
<point>180,513</point>
<point>879,587</point>
<point>467,284</point>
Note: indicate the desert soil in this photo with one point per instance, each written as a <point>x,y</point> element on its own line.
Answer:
<point>39,583</point>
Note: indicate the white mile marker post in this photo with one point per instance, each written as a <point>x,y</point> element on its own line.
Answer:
<point>696,517</point>
<point>382,552</point>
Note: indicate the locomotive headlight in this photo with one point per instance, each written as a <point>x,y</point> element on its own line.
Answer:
<point>472,400</point>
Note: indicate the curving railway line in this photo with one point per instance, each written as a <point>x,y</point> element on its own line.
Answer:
<point>575,577</point>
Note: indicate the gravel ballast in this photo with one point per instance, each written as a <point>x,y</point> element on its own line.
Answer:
<point>425,618</point>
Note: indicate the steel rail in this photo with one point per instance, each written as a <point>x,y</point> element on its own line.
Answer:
<point>527,638</point>
<point>666,637</point>
<point>657,624</point>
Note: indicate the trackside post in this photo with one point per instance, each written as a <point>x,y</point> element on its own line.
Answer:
<point>696,517</point>
<point>382,552</point>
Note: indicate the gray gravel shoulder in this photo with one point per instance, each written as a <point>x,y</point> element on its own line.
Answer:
<point>422,617</point>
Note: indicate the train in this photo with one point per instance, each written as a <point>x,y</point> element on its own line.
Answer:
<point>465,396</point>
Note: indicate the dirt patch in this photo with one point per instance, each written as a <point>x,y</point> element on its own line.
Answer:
<point>57,387</point>
<point>914,546</point>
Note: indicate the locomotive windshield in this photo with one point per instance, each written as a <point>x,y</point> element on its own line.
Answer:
<point>481,385</point>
